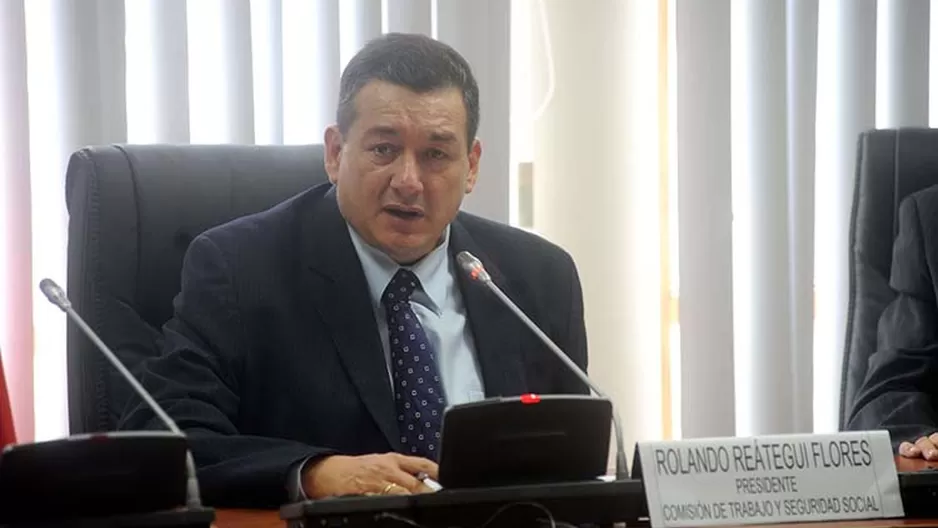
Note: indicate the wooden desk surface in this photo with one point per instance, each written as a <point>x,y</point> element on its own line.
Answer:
<point>248,519</point>
<point>271,519</point>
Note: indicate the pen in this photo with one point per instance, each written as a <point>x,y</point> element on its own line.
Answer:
<point>429,482</point>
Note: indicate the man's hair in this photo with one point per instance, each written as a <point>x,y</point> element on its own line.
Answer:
<point>416,62</point>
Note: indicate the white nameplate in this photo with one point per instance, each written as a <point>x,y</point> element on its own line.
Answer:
<point>783,478</point>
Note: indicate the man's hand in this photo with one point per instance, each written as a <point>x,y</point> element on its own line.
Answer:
<point>387,474</point>
<point>925,447</point>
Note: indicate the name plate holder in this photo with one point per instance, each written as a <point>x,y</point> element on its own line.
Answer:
<point>769,479</point>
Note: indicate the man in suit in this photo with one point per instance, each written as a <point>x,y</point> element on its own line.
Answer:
<point>315,346</point>
<point>900,392</point>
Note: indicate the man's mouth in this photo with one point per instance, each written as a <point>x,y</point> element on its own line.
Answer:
<point>404,212</point>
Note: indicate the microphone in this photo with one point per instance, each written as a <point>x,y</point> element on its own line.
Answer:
<point>56,296</point>
<point>473,266</point>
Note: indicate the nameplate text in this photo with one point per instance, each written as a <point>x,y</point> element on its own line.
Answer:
<point>770,479</point>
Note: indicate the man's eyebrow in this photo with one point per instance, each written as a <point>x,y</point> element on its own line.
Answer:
<point>381,131</point>
<point>443,137</point>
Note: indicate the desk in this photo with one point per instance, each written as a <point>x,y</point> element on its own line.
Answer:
<point>908,464</point>
<point>271,519</point>
<point>248,519</point>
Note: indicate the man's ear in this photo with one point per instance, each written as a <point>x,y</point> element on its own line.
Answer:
<point>333,143</point>
<point>475,154</point>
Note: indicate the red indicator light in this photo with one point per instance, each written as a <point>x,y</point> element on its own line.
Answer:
<point>529,399</point>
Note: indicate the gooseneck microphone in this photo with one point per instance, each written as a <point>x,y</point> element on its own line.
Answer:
<point>473,266</point>
<point>56,296</point>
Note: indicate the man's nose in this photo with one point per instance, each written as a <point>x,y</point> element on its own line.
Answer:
<point>407,178</point>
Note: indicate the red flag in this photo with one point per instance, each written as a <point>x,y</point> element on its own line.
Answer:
<point>7,434</point>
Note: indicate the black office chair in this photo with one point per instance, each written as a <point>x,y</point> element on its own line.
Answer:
<point>133,210</point>
<point>891,165</point>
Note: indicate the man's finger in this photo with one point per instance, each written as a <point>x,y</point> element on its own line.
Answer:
<point>909,450</point>
<point>928,449</point>
<point>415,465</point>
<point>424,489</point>
<point>393,488</point>
<point>402,478</point>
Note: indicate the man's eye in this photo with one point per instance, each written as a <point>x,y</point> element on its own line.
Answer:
<point>436,154</point>
<point>383,150</point>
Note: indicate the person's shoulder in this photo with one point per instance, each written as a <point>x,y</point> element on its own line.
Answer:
<point>270,226</point>
<point>923,200</point>
<point>513,245</point>
<point>918,214</point>
<point>929,194</point>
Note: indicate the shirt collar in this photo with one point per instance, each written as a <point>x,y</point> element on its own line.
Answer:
<point>379,269</point>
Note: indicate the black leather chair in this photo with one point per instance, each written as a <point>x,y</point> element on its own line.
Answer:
<point>891,165</point>
<point>133,210</point>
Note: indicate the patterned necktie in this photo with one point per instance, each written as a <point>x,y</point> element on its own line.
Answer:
<point>418,392</point>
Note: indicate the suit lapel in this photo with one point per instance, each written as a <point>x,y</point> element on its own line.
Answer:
<point>338,289</point>
<point>494,328</point>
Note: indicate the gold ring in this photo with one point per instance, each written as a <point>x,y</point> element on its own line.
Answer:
<point>388,488</point>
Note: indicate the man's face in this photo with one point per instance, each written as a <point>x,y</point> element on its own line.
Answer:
<point>403,167</point>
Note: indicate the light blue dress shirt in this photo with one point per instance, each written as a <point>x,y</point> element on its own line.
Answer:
<point>440,309</point>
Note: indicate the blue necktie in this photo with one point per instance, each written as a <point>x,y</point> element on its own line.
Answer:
<point>418,392</point>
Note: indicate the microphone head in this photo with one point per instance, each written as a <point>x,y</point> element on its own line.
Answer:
<point>473,266</point>
<point>54,293</point>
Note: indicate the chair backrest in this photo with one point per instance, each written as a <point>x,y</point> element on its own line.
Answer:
<point>891,165</point>
<point>133,210</point>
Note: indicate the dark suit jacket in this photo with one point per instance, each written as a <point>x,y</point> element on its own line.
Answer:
<point>273,353</point>
<point>901,388</point>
